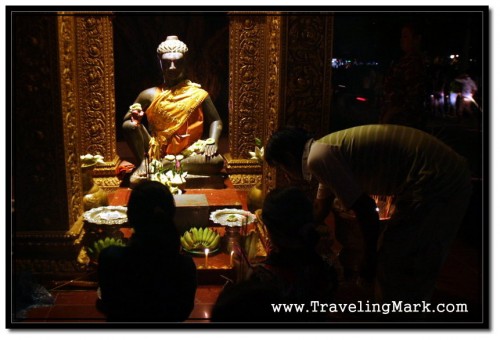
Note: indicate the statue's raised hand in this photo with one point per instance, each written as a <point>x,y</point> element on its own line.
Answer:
<point>137,113</point>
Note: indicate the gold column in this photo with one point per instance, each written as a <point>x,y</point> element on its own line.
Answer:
<point>96,93</point>
<point>254,100</point>
<point>280,74</point>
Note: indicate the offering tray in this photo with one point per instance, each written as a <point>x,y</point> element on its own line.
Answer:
<point>107,215</point>
<point>232,217</point>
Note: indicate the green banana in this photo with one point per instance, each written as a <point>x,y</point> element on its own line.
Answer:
<point>200,238</point>
<point>184,243</point>
<point>205,234</point>
<point>214,242</point>
<point>188,238</point>
<point>211,236</point>
<point>100,244</point>
<point>194,233</point>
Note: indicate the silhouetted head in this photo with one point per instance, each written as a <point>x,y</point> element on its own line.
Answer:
<point>288,216</point>
<point>151,211</point>
<point>285,148</point>
<point>249,301</point>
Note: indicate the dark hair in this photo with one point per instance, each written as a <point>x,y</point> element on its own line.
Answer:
<point>288,216</point>
<point>286,142</point>
<point>151,211</point>
<point>249,301</point>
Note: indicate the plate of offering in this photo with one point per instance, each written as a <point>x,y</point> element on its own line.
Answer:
<point>108,215</point>
<point>232,217</point>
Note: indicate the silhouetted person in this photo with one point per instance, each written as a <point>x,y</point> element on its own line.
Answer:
<point>148,280</point>
<point>404,86</point>
<point>250,301</point>
<point>289,218</point>
<point>469,89</point>
<point>429,182</point>
<point>292,273</point>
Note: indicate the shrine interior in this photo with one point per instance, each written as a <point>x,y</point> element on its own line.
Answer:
<point>75,75</point>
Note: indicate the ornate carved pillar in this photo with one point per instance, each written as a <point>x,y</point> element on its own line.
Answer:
<point>254,90</point>
<point>307,80</point>
<point>46,173</point>
<point>280,73</point>
<point>64,107</point>
<point>86,69</point>
<point>96,93</point>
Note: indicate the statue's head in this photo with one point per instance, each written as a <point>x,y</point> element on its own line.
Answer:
<point>171,53</point>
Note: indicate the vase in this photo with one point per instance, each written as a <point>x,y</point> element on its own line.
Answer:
<point>93,195</point>
<point>255,197</point>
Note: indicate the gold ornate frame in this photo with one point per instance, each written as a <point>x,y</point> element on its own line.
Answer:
<point>271,57</point>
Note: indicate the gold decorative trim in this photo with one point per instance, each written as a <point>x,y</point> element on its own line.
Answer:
<point>308,64</point>
<point>254,85</point>
<point>96,86</point>
<point>77,231</point>
<point>273,94</point>
<point>245,181</point>
<point>108,184</point>
<point>107,169</point>
<point>70,114</point>
<point>246,81</point>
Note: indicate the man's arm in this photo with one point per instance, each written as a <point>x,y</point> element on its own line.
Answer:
<point>322,207</point>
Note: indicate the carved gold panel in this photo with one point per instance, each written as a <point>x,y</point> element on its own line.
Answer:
<point>254,93</point>
<point>279,75</point>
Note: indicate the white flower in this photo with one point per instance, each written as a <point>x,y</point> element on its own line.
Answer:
<point>89,159</point>
<point>258,154</point>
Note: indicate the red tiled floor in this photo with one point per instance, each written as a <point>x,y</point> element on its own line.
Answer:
<point>84,298</point>
<point>38,314</point>
<point>207,294</point>
<point>79,306</point>
<point>71,313</point>
<point>201,311</point>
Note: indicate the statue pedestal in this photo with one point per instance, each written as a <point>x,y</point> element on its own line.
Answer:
<point>205,181</point>
<point>192,211</point>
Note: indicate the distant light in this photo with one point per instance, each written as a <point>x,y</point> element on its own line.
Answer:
<point>361,99</point>
<point>452,56</point>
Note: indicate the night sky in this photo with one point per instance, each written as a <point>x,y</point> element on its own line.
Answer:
<point>374,35</point>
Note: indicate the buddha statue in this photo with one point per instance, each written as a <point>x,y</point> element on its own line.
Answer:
<point>179,114</point>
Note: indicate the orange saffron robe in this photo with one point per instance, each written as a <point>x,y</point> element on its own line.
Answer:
<point>175,118</point>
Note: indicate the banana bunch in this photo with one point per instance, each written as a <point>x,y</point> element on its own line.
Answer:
<point>99,245</point>
<point>200,238</point>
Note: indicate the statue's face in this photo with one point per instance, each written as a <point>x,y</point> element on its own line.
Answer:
<point>172,65</point>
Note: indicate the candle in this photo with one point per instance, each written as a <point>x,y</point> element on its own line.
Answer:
<point>206,257</point>
<point>231,259</point>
